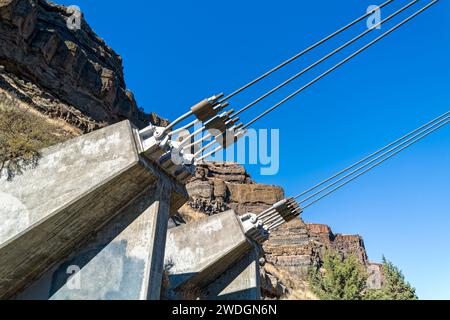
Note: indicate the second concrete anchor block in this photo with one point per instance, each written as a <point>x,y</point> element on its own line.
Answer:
<point>240,282</point>
<point>197,254</point>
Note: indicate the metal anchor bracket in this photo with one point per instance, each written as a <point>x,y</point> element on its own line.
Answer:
<point>254,228</point>
<point>160,149</point>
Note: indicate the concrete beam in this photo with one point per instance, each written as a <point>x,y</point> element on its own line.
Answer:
<point>78,187</point>
<point>124,260</point>
<point>199,253</point>
<point>239,282</point>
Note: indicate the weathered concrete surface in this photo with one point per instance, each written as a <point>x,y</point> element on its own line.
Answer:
<point>198,253</point>
<point>77,187</point>
<point>239,282</point>
<point>124,260</point>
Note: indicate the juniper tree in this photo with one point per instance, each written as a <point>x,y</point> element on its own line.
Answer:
<point>395,287</point>
<point>339,278</point>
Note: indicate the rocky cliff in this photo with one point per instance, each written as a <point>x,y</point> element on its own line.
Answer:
<point>221,186</point>
<point>64,74</point>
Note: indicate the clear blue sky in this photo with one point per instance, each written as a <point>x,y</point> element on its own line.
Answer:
<point>177,52</point>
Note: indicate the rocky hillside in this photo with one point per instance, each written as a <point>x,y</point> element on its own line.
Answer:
<point>64,74</point>
<point>292,249</point>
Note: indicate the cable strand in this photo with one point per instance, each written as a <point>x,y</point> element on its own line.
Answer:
<point>372,155</point>
<point>372,167</point>
<point>265,75</point>
<point>339,64</point>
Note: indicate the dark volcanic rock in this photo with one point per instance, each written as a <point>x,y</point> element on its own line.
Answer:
<point>297,246</point>
<point>226,171</point>
<point>219,186</point>
<point>71,75</point>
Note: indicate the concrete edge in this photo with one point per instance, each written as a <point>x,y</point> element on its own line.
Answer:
<point>68,204</point>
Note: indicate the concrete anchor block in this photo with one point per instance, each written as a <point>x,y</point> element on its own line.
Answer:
<point>199,253</point>
<point>240,282</point>
<point>123,261</point>
<point>163,153</point>
<point>78,186</point>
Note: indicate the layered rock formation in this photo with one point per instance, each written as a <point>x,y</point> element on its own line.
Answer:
<point>298,246</point>
<point>219,186</point>
<point>65,74</point>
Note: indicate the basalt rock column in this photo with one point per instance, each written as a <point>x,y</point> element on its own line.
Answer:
<point>197,254</point>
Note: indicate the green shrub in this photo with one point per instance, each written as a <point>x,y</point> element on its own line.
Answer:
<point>339,278</point>
<point>346,279</point>
<point>395,286</point>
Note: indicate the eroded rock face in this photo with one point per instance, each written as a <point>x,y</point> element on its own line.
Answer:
<point>66,74</point>
<point>293,248</point>
<point>297,246</point>
<point>376,278</point>
<point>343,243</point>
<point>219,186</point>
<point>271,286</point>
<point>225,171</point>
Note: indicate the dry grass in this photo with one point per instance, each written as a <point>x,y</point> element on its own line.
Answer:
<point>299,289</point>
<point>22,135</point>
